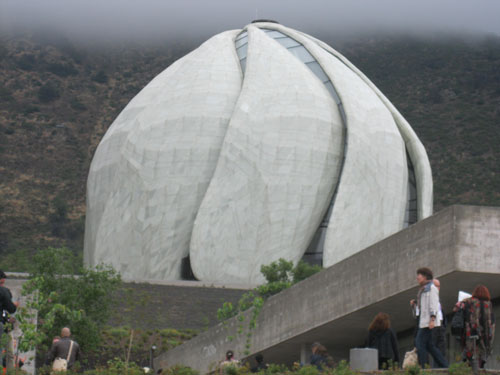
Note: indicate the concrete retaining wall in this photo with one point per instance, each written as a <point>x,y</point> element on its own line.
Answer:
<point>336,306</point>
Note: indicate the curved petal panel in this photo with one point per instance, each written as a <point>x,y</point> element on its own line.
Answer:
<point>153,167</point>
<point>276,171</point>
<point>372,191</point>
<point>373,188</point>
<point>414,147</point>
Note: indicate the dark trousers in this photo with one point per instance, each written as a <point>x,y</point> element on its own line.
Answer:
<point>425,346</point>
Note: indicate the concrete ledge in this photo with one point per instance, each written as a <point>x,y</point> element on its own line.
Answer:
<point>184,283</point>
<point>335,306</point>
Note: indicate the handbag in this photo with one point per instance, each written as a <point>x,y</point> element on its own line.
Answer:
<point>61,364</point>
<point>411,359</point>
<point>458,323</point>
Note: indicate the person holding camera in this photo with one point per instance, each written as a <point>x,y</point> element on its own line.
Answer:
<point>6,304</point>
<point>6,307</point>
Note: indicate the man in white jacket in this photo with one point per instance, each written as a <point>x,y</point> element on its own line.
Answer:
<point>428,307</point>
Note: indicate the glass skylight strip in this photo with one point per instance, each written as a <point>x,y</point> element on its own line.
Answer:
<point>411,213</point>
<point>240,42</point>
<point>315,249</point>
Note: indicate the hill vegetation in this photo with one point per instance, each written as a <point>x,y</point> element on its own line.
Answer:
<point>57,99</point>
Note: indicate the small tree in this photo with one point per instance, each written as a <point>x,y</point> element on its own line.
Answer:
<point>279,275</point>
<point>63,293</point>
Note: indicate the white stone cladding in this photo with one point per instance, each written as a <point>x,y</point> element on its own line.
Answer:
<point>237,170</point>
<point>276,171</point>
<point>152,168</point>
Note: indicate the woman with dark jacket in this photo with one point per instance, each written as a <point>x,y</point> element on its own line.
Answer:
<point>382,338</point>
<point>320,357</point>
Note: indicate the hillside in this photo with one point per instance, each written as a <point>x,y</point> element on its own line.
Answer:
<point>449,91</point>
<point>58,97</point>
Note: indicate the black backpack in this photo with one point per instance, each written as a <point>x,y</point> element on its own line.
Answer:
<point>458,323</point>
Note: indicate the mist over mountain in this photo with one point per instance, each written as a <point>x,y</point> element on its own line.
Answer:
<point>59,94</point>
<point>179,19</point>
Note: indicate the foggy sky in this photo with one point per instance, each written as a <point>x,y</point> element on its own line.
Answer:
<point>187,18</point>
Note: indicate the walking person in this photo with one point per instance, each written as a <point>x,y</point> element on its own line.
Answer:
<point>439,332</point>
<point>428,308</point>
<point>6,307</point>
<point>64,352</point>
<point>320,357</point>
<point>383,338</point>
<point>230,361</point>
<point>479,322</point>
<point>261,366</point>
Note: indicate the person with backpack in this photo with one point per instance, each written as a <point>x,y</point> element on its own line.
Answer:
<point>479,326</point>
<point>383,338</point>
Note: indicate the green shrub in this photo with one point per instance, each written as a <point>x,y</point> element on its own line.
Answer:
<point>5,94</point>
<point>77,105</point>
<point>169,332</point>
<point>303,270</point>
<point>280,271</point>
<point>116,366</point>
<point>308,370</point>
<point>179,370</point>
<point>460,368</point>
<point>413,370</point>
<point>48,93</point>
<point>230,370</point>
<point>118,332</point>
<point>28,109</point>
<point>100,77</point>
<point>279,275</point>
<point>62,70</point>
<point>26,62</point>
<point>343,369</point>
<point>274,368</point>
<point>64,299</point>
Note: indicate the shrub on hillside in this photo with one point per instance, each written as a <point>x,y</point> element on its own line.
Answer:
<point>62,69</point>
<point>100,77</point>
<point>59,216</point>
<point>77,105</point>
<point>26,62</point>
<point>5,94</point>
<point>48,93</point>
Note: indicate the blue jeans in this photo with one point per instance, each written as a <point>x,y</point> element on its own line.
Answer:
<point>425,345</point>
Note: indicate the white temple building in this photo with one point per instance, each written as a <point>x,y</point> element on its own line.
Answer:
<point>263,143</point>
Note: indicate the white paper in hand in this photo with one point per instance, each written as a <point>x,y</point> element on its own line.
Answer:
<point>463,295</point>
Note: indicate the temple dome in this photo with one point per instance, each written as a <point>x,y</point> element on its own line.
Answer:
<point>263,143</point>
